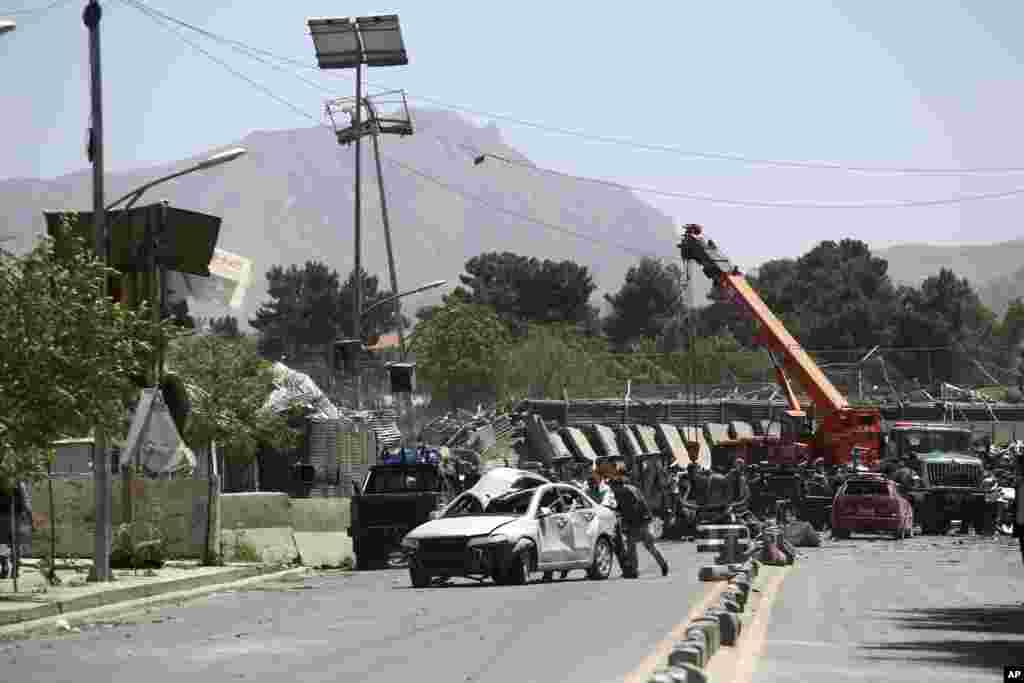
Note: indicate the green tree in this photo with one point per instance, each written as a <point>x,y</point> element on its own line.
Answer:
<point>309,307</point>
<point>67,353</point>
<point>648,300</point>
<point>944,312</point>
<point>229,385</point>
<point>524,290</point>
<point>459,352</point>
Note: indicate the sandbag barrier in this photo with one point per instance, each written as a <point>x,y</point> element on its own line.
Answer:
<point>719,625</point>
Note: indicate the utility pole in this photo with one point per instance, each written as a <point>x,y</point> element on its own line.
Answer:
<point>357,285</point>
<point>101,465</point>
<point>387,227</point>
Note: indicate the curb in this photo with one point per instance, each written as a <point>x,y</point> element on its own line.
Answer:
<point>719,625</point>
<point>138,596</point>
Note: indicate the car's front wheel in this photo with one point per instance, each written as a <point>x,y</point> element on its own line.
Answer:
<point>518,571</point>
<point>419,577</point>
<point>602,567</point>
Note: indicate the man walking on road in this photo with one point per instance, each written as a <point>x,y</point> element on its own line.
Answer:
<point>635,518</point>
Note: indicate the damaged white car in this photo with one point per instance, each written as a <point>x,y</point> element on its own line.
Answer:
<point>552,527</point>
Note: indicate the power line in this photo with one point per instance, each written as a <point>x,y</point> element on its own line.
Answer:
<point>881,204</point>
<point>262,88</point>
<point>526,217</point>
<point>33,10</point>
<point>406,167</point>
<point>711,156</point>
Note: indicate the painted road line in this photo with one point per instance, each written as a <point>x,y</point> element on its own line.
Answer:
<point>658,659</point>
<point>737,664</point>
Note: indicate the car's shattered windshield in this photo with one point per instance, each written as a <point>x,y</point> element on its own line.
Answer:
<point>515,503</point>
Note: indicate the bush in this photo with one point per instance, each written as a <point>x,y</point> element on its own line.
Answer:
<point>138,546</point>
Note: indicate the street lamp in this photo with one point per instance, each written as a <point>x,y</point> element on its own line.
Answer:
<point>422,288</point>
<point>6,26</point>
<point>216,160</point>
<point>346,43</point>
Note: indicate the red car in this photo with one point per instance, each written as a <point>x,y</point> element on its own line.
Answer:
<point>872,504</point>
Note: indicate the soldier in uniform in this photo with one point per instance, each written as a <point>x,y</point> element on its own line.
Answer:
<point>635,518</point>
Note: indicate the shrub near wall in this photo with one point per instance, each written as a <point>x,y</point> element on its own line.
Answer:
<point>177,508</point>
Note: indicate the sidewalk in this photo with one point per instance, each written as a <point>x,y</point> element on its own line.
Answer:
<point>37,600</point>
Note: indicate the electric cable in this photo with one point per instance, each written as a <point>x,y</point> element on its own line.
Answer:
<point>406,167</point>
<point>259,86</point>
<point>880,204</point>
<point>33,10</point>
<point>516,214</point>
<point>711,156</point>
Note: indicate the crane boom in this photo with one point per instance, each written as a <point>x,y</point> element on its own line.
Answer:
<point>844,428</point>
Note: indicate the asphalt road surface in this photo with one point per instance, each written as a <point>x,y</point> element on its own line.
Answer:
<point>371,626</point>
<point>924,609</point>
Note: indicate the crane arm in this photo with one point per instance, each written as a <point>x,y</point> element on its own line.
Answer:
<point>772,333</point>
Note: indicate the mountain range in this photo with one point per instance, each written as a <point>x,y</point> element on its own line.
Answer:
<point>290,198</point>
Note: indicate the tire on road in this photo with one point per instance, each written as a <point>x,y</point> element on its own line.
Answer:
<point>362,550</point>
<point>419,577</point>
<point>518,572</point>
<point>601,569</point>
<point>841,534</point>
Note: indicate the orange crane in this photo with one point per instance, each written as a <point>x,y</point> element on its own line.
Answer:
<point>845,434</point>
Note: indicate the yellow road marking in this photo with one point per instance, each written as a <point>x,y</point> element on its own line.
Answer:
<point>737,664</point>
<point>657,659</point>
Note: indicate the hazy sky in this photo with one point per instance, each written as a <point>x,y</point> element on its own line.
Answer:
<point>909,84</point>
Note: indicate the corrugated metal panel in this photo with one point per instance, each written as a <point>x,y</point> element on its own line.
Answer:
<point>323,449</point>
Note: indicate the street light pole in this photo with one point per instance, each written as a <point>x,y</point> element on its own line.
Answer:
<point>101,466</point>
<point>346,44</point>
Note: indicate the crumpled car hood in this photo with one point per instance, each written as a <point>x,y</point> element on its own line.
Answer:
<point>470,525</point>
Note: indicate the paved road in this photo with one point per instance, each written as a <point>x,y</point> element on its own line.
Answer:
<point>929,608</point>
<point>371,626</point>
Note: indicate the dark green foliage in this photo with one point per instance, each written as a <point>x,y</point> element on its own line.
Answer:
<point>648,300</point>
<point>310,307</point>
<point>524,290</point>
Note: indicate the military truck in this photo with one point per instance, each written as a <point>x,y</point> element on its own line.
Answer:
<point>950,480</point>
<point>397,495</point>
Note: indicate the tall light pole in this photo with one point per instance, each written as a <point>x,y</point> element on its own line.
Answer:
<point>101,466</point>
<point>346,43</point>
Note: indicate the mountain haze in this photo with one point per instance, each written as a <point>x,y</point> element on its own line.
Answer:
<point>996,271</point>
<point>290,199</point>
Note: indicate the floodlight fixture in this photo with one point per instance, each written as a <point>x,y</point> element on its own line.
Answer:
<point>6,26</point>
<point>345,43</point>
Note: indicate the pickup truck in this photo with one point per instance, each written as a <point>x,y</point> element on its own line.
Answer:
<point>396,496</point>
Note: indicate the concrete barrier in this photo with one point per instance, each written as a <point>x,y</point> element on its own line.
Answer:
<point>255,510</point>
<point>320,514</point>
<point>324,548</point>
<point>714,633</point>
<point>728,624</point>
<point>686,652</point>
<point>715,572</point>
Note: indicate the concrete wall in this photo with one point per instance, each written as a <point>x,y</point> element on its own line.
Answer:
<point>320,514</point>
<point>267,527</point>
<point>177,508</point>
<point>273,527</point>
